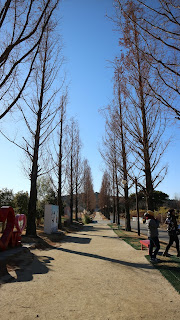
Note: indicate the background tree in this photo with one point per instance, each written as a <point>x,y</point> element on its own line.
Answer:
<point>60,159</point>
<point>22,25</point>
<point>145,123</point>
<point>44,107</point>
<point>59,156</point>
<point>46,194</point>
<point>78,172</point>
<point>115,145</point>
<point>105,195</point>
<point>158,24</point>
<point>110,155</point>
<point>121,132</point>
<point>6,197</point>
<point>21,200</point>
<point>89,200</point>
<point>72,162</point>
<point>159,199</point>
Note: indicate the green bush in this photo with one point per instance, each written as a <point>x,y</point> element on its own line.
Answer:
<point>86,219</point>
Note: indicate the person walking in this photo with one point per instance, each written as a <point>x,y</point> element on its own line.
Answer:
<point>152,225</point>
<point>172,229</point>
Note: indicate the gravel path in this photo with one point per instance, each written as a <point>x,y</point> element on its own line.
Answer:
<point>91,275</point>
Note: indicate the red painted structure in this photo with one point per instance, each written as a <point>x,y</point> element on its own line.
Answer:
<point>11,237</point>
<point>145,243</point>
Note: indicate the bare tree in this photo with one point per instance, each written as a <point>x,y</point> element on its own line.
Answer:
<point>157,23</point>
<point>22,26</point>
<point>89,200</point>
<point>121,130</point>
<point>72,161</point>
<point>115,143</point>
<point>61,157</point>
<point>110,155</point>
<point>44,107</point>
<point>58,153</point>
<point>145,119</point>
<point>78,172</point>
<point>105,195</point>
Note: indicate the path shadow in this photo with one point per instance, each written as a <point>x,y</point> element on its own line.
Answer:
<point>94,228</point>
<point>95,256</point>
<point>97,235</point>
<point>76,240</point>
<point>23,266</point>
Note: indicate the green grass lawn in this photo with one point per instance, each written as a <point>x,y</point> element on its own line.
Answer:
<point>130,237</point>
<point>170,269</point>
<point>168,266</point>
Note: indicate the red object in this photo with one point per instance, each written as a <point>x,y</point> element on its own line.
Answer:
<point>7,213</point>
<point>10,237</point>
<point>20,222</point>
<point>145,243</point>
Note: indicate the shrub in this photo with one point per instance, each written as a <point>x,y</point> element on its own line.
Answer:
<point>86,219</point>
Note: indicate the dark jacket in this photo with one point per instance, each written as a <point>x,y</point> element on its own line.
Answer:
<point>172,227</point>
<point>152,225</point>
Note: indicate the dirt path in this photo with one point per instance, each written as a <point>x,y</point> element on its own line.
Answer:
<point>92,275</point>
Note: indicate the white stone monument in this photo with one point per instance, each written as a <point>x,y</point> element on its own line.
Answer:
<point>51,218</point>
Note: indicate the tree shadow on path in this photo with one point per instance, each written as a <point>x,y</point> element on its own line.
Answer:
<point>95,256</point>
<point>22,267</point>
<point>76,240</point>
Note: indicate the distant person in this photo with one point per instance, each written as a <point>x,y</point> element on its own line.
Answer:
<point>172,228</point>
<point>152,225</point>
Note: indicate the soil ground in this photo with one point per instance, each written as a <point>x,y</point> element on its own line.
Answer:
<point>89,274</point>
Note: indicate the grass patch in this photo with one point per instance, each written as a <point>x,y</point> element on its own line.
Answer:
<point>132,239</point>
<point>170,269</point>
<point>168,266</point>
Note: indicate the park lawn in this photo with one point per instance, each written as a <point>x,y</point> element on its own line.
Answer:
<point>170,269</point>
<point>131,238</point>
<point>168,266</point>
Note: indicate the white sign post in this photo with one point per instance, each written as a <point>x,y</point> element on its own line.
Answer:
<point>51,218</point>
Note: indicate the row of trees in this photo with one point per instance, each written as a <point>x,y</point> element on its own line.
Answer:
<point>47,193</point>
<point>108,201</point>
<point>146,91</point>
<point>33,84</point>
<point>70,174</point>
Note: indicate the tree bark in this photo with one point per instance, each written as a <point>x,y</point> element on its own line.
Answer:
<point>124,158</point>
<point>149,185</point>
<point>60,204</point>
<point>71,190</point>
<point>31,218</point>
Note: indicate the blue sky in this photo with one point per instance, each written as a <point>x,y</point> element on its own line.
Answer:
<point>89,44</point>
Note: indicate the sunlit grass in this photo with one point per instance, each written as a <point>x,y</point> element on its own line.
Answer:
<point>170,269</point>
<point>168,266</point>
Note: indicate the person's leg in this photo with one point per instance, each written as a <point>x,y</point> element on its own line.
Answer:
<point>151,245</point>
<point>177,245</point>
<point>171,240</point>
<point>157,244</point>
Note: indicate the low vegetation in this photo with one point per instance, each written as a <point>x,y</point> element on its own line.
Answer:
<point>168,266</point>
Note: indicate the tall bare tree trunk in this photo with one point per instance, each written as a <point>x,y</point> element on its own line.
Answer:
<point>71,190</point>
<point>117,198</point>
<point>76,202</point>
<point>60,204</point>
<point>114,199</point>
<point>124,158</point>
<point>31,218</point>
<point>149,185</point>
